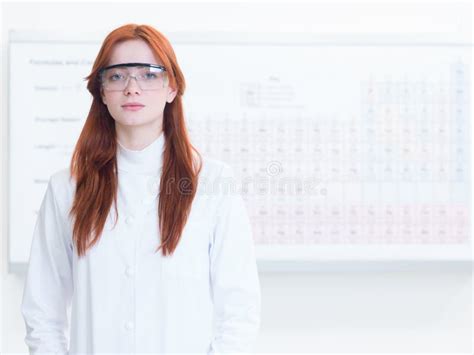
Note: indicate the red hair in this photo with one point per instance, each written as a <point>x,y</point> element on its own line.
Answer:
<point>94,162</point>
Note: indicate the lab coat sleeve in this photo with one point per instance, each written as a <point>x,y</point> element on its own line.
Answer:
<point>234,276</point>
<point>48,286</point>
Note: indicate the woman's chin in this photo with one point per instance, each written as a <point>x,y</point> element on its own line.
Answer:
<point>132,121</point>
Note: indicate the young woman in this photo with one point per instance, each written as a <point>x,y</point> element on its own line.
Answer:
<point>139,246</point>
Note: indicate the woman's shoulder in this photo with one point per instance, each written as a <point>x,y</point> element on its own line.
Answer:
<point>63,185</point>
<point>213,168</point>
<point>218,178</point>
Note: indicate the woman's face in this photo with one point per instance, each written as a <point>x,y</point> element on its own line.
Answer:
<point>154,101</point>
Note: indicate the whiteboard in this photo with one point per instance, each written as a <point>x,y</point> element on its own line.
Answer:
<point>347,148</point>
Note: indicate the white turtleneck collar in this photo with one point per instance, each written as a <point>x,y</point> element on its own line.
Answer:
<point>149,160</point>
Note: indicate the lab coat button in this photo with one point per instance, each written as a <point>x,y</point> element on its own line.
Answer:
<point>129,325</point>
<point>129,271</point>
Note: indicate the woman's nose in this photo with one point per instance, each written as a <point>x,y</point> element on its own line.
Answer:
<point>132,87</point>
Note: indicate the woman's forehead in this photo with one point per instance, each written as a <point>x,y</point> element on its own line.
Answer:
<point>132,51</point>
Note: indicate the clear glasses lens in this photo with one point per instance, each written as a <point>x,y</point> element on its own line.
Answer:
<point>148,78</point>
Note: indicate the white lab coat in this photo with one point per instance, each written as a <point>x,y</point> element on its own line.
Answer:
<point>124,298</point>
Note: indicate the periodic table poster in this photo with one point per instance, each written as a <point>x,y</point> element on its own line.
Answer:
<point>342,143</point>
<point>344,147</point>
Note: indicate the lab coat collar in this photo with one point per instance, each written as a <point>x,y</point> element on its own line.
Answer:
<point>149,160</point>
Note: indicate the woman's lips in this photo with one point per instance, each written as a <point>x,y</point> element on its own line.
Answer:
<point>133,107</point>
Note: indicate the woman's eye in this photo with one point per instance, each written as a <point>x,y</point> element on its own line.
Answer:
<point>115,77</point>
<point>150,76</point>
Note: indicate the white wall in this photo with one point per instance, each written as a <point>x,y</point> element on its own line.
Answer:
<point>326,311</point>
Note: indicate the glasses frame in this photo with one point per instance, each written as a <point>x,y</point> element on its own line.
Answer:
<point>102,70</point>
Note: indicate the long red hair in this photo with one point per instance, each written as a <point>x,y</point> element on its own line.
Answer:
<point>94,163</point>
